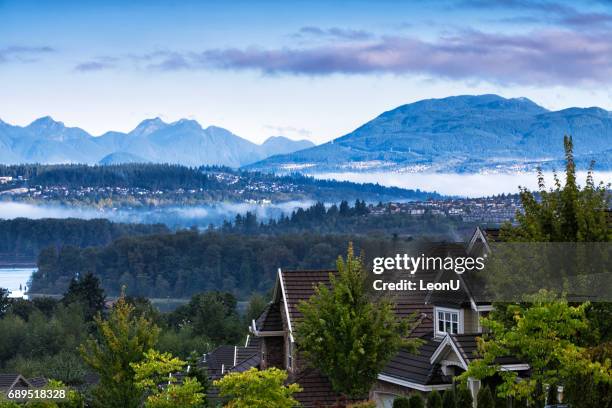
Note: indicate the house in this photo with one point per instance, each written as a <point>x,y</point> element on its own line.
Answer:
<point>447,322</point>
<point>10,382</point>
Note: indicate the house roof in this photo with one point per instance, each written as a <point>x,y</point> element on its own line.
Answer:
<point>316,390</point>
<point>219,360</point>
<point>416,367</point>
<point>299,286</point>
<point>38,382</point>
<point>252,361</point>
<point>8,381</point>
<point>270,320</point>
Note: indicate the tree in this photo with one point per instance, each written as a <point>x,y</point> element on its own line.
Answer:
<point>464,397</point>
<point>157,368</point>
<point>257,304</point>
<point>87,292</point>
<point>347,334</point>
<point>258,389</point>
<point>434,400</point>
<point>4,301</point>
<point>562,214</point>
<point>485,398</point>
<point>416,401</point>
<point>448,399</point>
<point>122,340</point>
<point>401,402</point>
<point>543,333</point>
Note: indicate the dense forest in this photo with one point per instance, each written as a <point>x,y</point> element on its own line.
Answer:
<point>41,336</point>
<point>25,238</point>
<point>344,219</point>
<point>187,262</point>
<point>203,184</point>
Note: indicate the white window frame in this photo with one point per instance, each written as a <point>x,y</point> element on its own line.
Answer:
<point>458,312</point>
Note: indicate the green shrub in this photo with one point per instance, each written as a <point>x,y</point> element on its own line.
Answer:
<point>448,399</point>
<point>464,398</point>
<point>434,400</point>
<point>416,401</point>
<point>485,398</point>
<point>401,402</point>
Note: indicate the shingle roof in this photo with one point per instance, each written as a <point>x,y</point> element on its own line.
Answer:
<point>218,360</point>
<point>9,380</point>
<point>270,319</point>
<point>300,286</point>
<point>467,345</point>
<point>249,362</point>
<point>416,367</point>
<point>316,390</point>
<point>38,382</point>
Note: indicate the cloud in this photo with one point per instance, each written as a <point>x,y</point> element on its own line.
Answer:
<point>291,130</point>
<point>334,32</point>
<point>23,54</point>
<point>553,12</point>
<point>546,57</point>
<point>97,64</point>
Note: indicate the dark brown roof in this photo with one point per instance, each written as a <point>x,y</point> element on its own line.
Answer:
<point>467,345</point>
<point>316,390</point>
<point>38,382</point>
<point>10,380</point>
<point>492,234</point>
<point>246,364</point>
<point>270,319</point>
<point>218,360</point>
<point>299,286</point>
<point>416,367</point>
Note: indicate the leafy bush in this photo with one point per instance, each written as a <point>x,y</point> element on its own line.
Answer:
<point>448,399</point>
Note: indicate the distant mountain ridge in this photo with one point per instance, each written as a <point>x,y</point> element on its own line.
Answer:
<point>184,142</point>
<point>460,134</point>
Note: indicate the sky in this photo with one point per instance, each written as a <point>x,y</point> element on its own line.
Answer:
<point>304,69</point>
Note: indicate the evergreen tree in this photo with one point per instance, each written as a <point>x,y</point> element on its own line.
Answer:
<point>401,402</point>
<point>464,398</point>
<point>485,398</point>
<point>347,334</point>
<point>87,292</point>
<point>448,399</point>
<point>122,340</point>
<point>563,214</point>
<point>416,401</point>
<point>434,400</point>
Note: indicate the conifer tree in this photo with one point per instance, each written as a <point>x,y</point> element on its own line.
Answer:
<point>347,334</point>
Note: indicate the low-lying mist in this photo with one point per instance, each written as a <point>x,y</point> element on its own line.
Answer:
<point>173,217</point>
<point>462,185</point>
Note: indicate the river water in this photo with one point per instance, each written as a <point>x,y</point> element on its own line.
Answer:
<point>16,280</point>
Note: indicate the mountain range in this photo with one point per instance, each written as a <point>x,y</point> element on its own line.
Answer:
<point>153,140</point>
<point>458,134</point>
<point>483,133</point>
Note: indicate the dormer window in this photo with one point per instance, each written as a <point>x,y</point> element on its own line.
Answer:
<point>448,321</point>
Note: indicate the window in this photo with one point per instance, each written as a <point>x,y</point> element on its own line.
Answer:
<point>448,321</point>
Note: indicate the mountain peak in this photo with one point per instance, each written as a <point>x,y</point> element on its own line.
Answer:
<point>148,126</point>
<point>45,122</point>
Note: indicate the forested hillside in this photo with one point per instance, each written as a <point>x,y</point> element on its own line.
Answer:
<point>187,262</point>
<point>147,184</point>
<point>23,237</point>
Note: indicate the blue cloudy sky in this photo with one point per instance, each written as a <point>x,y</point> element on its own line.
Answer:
<point>305,69</point>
